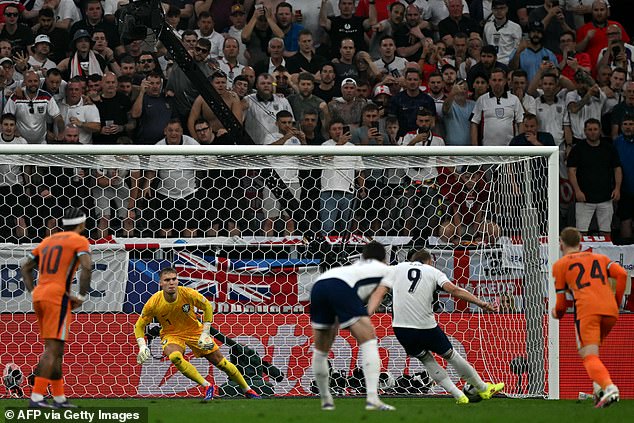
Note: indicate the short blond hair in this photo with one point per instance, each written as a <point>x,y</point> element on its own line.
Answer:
<point>570,237</point>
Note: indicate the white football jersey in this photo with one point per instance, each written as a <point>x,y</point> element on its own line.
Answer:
<point>363,276</point>
<point>413,285</point>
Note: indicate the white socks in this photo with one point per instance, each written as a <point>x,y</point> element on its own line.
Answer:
<point>465,371</point>
<point>322,375</point>
<point>439,375</point>
<point>371,365</point>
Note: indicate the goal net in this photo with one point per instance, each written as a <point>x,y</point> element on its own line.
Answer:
<point>251,232</point>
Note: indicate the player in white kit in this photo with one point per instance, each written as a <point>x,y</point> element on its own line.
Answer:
<point>413,284</point>
<point>338,300</point>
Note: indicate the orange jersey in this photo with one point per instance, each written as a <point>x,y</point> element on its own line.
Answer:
<point>585,275</point>
<point>57,258</point>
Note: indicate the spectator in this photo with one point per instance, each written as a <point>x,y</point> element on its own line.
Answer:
<point>189,38</point>
<point>100,46</point>
<point>18,34</point>
<point>59,38</point>
<point>346,25</point>
<point>290,30</point>
<point>33,110</point>
<point>456,112</point>
<point>93,22</point>
<point>595,173</point>
<point>501,32</point>
<point>570,60</point>
<point>13,198</point>
<point>624,145</point>
<point>405,104</point>
<point>259,119</point>
<point>206,30</point>
<point>345,66</point>
<point>275,59</point>
<point>388,27</point>
<point>618,53</point>
<point>76,111</point>
<point>305,100</point>
<point>480,86</point>
<point>474,50</point>
<point>420,202</point>
<point>54,85</point>
<point>110,190</point>
<point>83,61</point>
<point>347,107</point>
<point>286,169</point>
<point>38,60</point>
<point>338,186</point>
<point>551,112</point>
<point>114,112</point>
<point>152,110</point>
<point>592,37</point>
<point>238,22</point>
<point>603,73</point>
<point>410,39</point>
<point>615,95</point>
<point>388,63</point>
<point>310,179</point>
<point>257,34</point>
<point>586,102</point>
<point>532,54</point>
<point>228,63</point>
<point>551,14</point>
<point>455,23</point>
<point>200,108</point>
<point>305,58</point>
<point>506,303</point>
<point>66,13</point>
<point>621,110</point>
<point>327,89</point>
<point>488,62</point>
<point>496,115</point>
<point>519,84</point>
<point>436,87</point>
<point>174,207</point>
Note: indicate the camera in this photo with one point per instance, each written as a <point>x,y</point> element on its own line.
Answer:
<point>616,50</point>
<point>346,129</point>
<point>374,125</point>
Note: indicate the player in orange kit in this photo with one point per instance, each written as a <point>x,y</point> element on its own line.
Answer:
<point>57,258</point>
<point>585,275</point>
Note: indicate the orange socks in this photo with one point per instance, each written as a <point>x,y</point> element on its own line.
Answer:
<point>597,371</point>
<point>57,387</point>
<point>40,385</point>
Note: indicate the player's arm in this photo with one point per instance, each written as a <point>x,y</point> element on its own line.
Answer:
<point>27,272</point>
<point>376,298</point>
<point>139,333</point>
<point>560,289</point>
<point>463,294</point>
<point>206,341</point>
<point>85,265</point>
<point>617,272</point>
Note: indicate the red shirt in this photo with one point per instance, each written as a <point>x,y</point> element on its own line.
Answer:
<point>382,9</point>
<point>599,40</point>
<point>582,58</point>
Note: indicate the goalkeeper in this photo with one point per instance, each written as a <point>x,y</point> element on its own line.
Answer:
<point>173,307</point>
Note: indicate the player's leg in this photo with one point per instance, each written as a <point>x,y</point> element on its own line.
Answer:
<point>590,332</point>
<point>175,351</point>
<point>323,339</point>
<point>468,373</point>
<point>441,377</point>
<point>363,331</point>
<point>216,358</point>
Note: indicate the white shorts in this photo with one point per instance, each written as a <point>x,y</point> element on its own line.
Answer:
<point>271,205</point>
<point>585,211</point>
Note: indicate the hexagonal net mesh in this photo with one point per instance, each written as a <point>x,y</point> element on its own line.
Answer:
<point>252,232</point>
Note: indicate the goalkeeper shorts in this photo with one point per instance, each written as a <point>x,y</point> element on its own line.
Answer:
<point>189,340</point>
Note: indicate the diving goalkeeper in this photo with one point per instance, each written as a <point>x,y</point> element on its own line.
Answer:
<point>173,306</point>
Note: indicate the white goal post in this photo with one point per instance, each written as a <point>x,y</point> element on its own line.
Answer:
<point>259,277</point>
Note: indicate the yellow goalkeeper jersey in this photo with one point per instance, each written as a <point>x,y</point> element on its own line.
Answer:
<point>178,317</point>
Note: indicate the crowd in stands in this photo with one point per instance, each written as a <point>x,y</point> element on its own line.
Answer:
<point>318,72</point>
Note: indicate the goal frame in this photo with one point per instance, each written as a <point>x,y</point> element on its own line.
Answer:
<point>551,154</point>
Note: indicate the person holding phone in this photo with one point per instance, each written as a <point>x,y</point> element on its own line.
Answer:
<point>532,53</point>
<point>570,60</point>
<point>618,53</point>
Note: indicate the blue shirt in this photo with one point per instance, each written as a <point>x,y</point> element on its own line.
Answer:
<point>531,60</point>
<point>625,149</point>
<point>405,107</point>
<point>457,123</point>
<point>291,38</point>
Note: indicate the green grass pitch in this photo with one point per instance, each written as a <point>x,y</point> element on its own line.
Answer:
<point>351,410</point>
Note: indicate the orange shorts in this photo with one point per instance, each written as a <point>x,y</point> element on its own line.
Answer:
<point>53,319</point>
<point>593,329</point>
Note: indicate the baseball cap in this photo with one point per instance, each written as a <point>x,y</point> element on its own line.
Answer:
<point>536,26</point>
<point>6,60</point>
<point>81,33</point>
<point>348,81</point>
<point>382,89</point>
<point>42,38</point>
<point>236,9</point>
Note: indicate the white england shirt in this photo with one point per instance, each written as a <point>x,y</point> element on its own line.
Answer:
<point>413,285</point>
<point>363,276</point>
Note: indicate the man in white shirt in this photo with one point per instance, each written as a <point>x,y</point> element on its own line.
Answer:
<point>496,114</point>
<point>84,116</point>
<point>586,102</point>
<point>228,63</point>
<point>502,32</point>
<point>413,284</point>
<point>206,30</point>
<point>337,301</point>
<point>286,169</point>
<point>262,107</point>
<point>389,63</point>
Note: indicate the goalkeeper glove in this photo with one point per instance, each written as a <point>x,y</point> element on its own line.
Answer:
<point>144,352</point>
<point>206,341</point>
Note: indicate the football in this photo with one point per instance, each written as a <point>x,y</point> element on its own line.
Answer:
<point>471,392</point>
